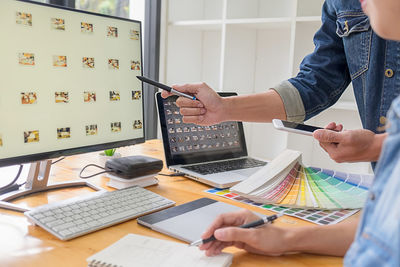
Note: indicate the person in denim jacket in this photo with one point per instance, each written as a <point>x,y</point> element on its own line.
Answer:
<point>346,50</point>
<point>377,239</point>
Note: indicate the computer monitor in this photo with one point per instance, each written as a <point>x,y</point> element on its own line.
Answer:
<point>68,84</point>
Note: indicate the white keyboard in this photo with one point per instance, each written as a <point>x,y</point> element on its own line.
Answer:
<point>81,215</point>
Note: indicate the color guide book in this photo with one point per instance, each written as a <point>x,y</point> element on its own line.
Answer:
<point>321,217</point>
<point>137,250</point>
<point>286,182</point>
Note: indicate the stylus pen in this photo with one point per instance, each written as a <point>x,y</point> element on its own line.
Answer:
<point>267,219</point>
<point>165,87</point>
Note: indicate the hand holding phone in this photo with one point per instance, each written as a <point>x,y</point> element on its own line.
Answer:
<point>294,127</point>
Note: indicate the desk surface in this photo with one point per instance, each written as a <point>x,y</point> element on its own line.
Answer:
<point>22,244</point>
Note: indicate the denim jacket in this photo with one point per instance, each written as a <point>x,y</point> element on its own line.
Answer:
<point>346,50</point>
<point>377,242</point>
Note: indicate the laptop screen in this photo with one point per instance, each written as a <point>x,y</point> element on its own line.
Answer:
<point>186,143</point>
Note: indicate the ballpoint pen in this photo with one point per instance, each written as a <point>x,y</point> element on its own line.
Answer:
<point>266,219</point>
<point>165,87</point>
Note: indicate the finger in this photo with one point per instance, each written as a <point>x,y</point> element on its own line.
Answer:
<point>328,136</point>
<point>188,103</point>
<point>205,246</point>
<point>219,248</point>
<point>335,127</point>
<point>323,145</point>
<point>193,119</point>
<point>331,126</point>
<point>192,111</point>
<point>225,219</point>
<point>234,234</point>
<point>330,147</point>
<point>211,250</point>
<point>188,88</point>
<point>165,94</point>
<point>339,128</point>
<point>333,151</point>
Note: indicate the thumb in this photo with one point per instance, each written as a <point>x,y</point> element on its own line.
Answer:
<point>188,88</point>
<point>328,136</point>
<point>233,234</point>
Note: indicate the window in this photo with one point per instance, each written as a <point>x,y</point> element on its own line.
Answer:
<point>119,8</point>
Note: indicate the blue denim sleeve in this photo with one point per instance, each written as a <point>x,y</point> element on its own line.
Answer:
<point>323,74</point>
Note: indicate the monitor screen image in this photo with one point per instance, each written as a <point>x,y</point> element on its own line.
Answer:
<point>68,82</point>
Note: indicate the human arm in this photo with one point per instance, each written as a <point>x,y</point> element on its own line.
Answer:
<point>211,108</point>
<point>322,78</point>
<point>275,240</point>
<point>324,73</point>
<point>352,145</point>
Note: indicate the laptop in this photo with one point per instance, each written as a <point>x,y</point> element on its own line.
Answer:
<point>215,155</point>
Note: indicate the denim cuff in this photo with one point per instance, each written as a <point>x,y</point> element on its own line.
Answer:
<point>292,101</point>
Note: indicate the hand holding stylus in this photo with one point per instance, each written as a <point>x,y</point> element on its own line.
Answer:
<point>165,88</point>
<point>208,110</point>
<point>253,224</point>
<point>267,239</point>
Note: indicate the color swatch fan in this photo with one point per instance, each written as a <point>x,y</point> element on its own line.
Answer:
<point>286,182</point>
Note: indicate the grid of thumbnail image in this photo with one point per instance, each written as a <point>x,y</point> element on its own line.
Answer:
<point>63,97</point>
<point>187,138</point>
<point>27,59</point>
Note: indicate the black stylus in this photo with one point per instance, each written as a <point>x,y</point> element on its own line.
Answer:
<point>165,87</point>
<point>257,223</point>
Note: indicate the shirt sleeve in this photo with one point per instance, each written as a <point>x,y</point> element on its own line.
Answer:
<point>323,74</point>
<point>292,101</point>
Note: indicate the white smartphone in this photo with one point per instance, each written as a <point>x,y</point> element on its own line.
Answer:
<point>294,127</point>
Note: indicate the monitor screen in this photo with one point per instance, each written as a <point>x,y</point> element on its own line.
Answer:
<point>68,82</point>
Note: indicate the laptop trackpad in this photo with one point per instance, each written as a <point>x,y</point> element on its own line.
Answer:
<point>231,176</point>
<point>246,172</point>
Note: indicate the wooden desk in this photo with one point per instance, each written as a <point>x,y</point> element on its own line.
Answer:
<point>22,244</point>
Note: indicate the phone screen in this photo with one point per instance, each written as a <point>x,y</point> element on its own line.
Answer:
<point>300,126</point>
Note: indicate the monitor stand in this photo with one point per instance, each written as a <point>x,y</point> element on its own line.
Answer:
<point>37,181</point>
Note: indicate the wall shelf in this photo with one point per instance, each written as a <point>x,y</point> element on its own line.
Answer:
<point>309,19</point>
<point>198,24</point>
<point>261,23</point>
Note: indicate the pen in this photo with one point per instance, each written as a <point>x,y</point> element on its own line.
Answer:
<point>267,219</point>
<point>165,87</point>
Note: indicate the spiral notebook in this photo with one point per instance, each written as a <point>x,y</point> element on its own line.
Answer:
<point>137,250</point>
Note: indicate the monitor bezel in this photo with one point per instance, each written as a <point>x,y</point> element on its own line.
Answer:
<point>83,149</point>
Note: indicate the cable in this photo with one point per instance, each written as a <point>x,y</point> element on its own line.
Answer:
<point>60,159</point>
<point>90,176</point>
<point>172,174</point>
<point>11,185</point>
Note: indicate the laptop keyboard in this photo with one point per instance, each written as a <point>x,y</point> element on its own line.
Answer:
<point>223,166</point>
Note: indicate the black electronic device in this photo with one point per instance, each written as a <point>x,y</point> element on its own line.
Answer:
<point>173,128</point>
<point>294,127</point>
<point>134,166</point>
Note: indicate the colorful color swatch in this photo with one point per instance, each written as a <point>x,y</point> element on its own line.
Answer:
<point>285,181</point>
<point>321,217</point>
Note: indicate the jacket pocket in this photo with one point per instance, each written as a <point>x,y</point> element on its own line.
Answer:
<point>355,30</point>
